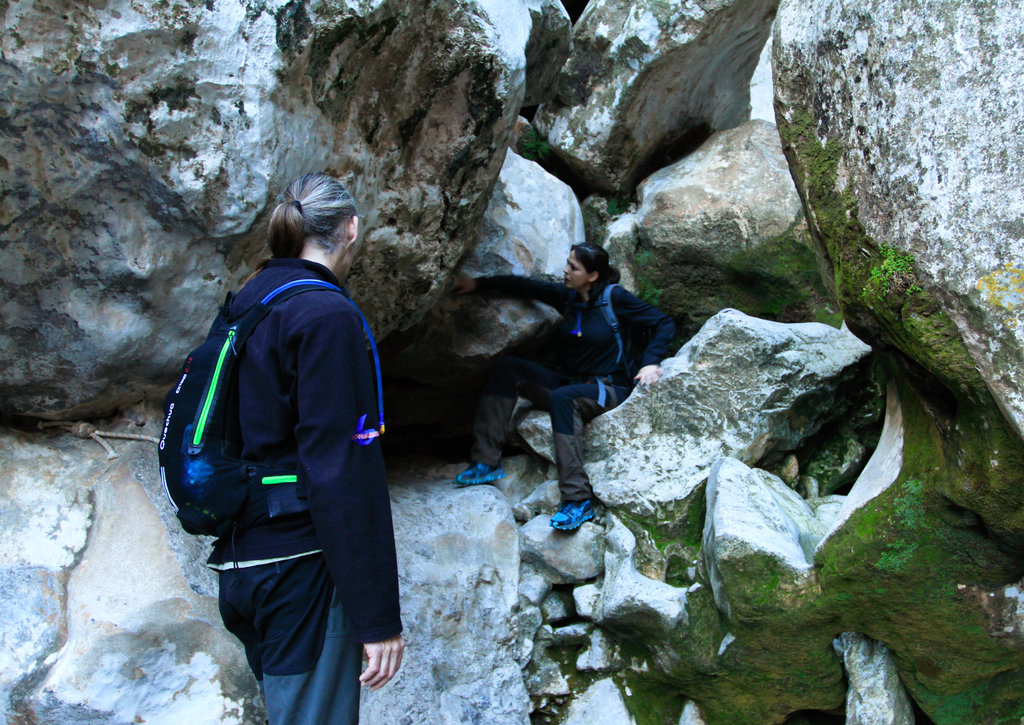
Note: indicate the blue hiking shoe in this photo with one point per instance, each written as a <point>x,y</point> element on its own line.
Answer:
<point>479,473</point>
<point>572,515</point>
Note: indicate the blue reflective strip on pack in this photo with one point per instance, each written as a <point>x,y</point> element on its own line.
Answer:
<point>297,283</point>
<point>602,392</point>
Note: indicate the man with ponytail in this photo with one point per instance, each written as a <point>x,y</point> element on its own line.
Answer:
<point>309,589</point>
<point>592,375</point>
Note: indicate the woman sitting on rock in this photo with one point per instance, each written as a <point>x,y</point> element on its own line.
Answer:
<point>592,375</point>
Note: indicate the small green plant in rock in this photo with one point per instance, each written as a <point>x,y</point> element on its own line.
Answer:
<point>894,274</point>
<point>533,146</point>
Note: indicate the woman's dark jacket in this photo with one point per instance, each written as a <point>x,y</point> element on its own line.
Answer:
<point>304,380</point>
<point>590,349</point>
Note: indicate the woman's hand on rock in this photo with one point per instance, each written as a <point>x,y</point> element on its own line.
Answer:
<point>648,375</point>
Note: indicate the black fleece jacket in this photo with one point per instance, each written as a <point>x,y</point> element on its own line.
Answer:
<point>586,343</point>
<point>304,380</point>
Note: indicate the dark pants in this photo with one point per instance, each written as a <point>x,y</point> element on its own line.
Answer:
<point>289,618</point>
<point>571,404</point>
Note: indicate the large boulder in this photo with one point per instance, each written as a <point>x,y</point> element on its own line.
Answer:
<point>100,623</point>
<point>902,146</point>
<point>750,538</point>
<point>459,576</point>
<point>146,145</point>
<point>547,49</point>
<point>724,228</point>
<point>742,387</point>
<point>645,79</point>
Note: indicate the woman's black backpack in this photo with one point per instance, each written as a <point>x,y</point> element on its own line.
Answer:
<point>205,481</point>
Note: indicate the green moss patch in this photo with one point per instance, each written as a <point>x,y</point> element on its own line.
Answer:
<point>651,702</point>
<point>780,280</point>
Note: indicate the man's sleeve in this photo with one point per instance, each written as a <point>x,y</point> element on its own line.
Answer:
<point>348,492</point>
<point>551,294</point>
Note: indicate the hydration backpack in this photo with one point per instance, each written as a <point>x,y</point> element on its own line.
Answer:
<point>206,482</point>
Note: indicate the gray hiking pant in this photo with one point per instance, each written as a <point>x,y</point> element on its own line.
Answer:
<point>328,693</point>
<point>571,404</point>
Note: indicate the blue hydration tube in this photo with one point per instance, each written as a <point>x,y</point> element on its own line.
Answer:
<point>363,436</point>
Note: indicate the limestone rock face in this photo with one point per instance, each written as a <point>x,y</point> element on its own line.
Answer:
<point>633,603</point>
<point>762,89</point>
<point>742,387</point>
<point>601,702</point>
<point>918,138</point>
<point>532,221</point>
<point>494,612</point>
<point>147,144</point>
<point>724,228</point>
<point>99,620</point>
<point>876,695</point>
<point>905,150</point>
<point>547,49</point>
<point>564,558</point>
<point>748,530</point>
<point>880,471</point>
<point>459,577</point>
<point>644,77</point>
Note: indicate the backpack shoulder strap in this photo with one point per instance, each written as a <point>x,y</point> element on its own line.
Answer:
<point>247,321</point>
<point>230,334</point>
<point>609,315</point>
<point>290,289</point>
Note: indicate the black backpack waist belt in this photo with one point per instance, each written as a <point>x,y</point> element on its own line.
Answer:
<point>273,492</point>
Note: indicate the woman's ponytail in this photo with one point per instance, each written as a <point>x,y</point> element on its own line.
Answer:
<point>286,230</point>
<point>311,208</point>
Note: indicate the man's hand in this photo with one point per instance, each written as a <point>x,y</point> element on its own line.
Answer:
<point>383,660</point>
<point>464,284</point>
<point>648,375</point>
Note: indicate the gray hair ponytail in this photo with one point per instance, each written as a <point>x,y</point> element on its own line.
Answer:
<point>310,208</point>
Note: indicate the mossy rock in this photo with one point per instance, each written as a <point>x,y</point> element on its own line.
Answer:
<point>905,570</point>
<point>779,279</point>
